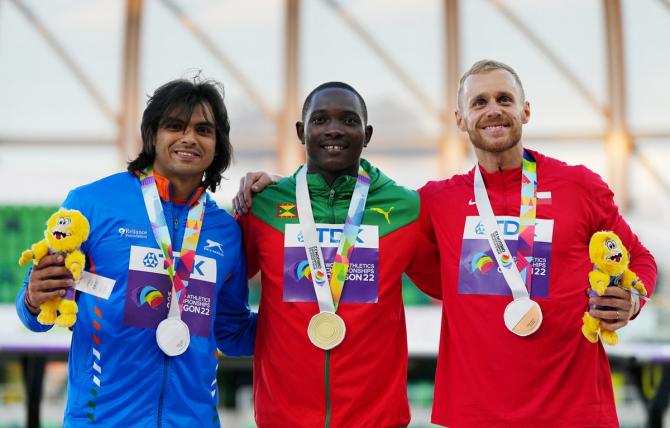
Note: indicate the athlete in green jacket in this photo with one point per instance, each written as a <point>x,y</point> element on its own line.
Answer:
<point>361,382</point>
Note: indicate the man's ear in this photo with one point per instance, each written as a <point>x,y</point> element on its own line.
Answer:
<point>368,135</point>
<point>525,117</point>
<point>459,121</point>
<point>300,130</point>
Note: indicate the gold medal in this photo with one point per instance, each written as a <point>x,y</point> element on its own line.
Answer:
<point>326,330</point>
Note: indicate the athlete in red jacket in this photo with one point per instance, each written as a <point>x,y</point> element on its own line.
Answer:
<point>486,375</point>
<point>362,382</point>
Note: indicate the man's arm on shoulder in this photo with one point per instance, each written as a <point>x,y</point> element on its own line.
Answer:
<point>424,269</point>
<point>252,182</point>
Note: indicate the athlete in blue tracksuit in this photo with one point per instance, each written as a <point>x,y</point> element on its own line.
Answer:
<point>118,376</point>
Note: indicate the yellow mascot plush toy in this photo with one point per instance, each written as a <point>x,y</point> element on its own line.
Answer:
<point>65,232</point>
<point>610,268</point>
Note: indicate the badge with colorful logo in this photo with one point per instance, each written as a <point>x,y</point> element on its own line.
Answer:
<point>148,292</point>
<point>479,272</point>
<point>361,276</point>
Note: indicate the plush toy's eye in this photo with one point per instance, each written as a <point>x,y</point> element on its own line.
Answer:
<point>611,244</point>
<point>64,221</point>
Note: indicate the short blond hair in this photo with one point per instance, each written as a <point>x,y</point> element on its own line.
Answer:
<point>483,66</point>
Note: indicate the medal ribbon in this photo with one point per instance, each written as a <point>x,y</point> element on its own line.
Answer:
<point>329,299</point>
<point>514,278</point>
<point>527,214</point>
<point>180,276</point>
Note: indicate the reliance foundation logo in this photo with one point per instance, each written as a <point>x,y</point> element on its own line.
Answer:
<point>131,232</point>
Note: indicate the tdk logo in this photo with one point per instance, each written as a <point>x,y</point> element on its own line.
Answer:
<point>150,260</point>
<point>333,235</point>
<point>330,235</point>
<point>508,227</point>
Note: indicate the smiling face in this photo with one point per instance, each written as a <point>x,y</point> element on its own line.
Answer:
<point>492,111</point>
<point>185,148</point>
<point>334,133</point>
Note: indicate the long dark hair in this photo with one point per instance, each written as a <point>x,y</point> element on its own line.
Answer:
<point>184,95</point>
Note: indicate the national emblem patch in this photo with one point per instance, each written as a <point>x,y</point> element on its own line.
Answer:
<point>287,211</point>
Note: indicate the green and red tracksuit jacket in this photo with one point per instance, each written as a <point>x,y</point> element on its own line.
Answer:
<point>363,381</point>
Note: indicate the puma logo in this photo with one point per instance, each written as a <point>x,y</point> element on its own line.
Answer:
<point>384,213</point>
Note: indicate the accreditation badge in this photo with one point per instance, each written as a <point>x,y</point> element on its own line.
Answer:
<point>361,285</point>
<point>149,291</point>
<point>479,273</point>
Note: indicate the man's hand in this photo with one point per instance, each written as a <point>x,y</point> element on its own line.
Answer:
<point>47,281</point>
<point>251,182</point>
<point>623,308</point>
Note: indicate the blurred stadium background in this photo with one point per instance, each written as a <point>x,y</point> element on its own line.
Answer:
<point>74,76</point>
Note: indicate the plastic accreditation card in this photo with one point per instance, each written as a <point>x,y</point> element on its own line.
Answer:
<point>95,285</point>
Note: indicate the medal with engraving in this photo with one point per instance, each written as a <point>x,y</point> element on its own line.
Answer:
<point>522,316</point>
<point>172,334</point>
<point>326,329</point>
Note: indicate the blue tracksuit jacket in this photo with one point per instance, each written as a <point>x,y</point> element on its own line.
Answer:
<point>117,374</point>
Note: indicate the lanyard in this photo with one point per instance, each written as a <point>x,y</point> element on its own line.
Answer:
<point>182,274</point>
<point>329,299</point>
<point>527,214</point>
<point>514,278</point>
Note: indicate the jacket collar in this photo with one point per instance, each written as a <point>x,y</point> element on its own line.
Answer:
<point>163,186</point>
<point>344,184</point>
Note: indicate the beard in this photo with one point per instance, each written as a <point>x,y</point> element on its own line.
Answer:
<point>496,144</point>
